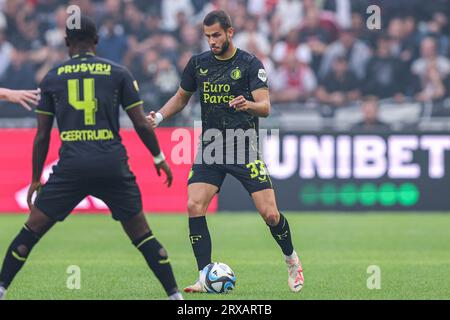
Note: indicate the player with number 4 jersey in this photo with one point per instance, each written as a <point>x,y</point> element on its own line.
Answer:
<point>85,95</point>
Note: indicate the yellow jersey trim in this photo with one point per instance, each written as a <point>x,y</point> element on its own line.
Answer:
<point>134,105</point>
<point>44,112</point>
<point>232,56</point>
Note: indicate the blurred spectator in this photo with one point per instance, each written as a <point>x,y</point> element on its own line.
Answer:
<point>134,24</point>
<point>261,8</point>
<point>339,87</point>
<point>315,36</point>
<point>113,43</point>
<point>434,30</point>
<point>290,45</point>
<point>327,20</point>
<point>166,80</point>
<point>409,39</point>
<point>190,39</point>
<point>145,70</point>
<point>432,84</point>
<point>371,121</point>
<point>53,58</point>
<point>17,76</point>
<point>347,46</point>
<point>294,81</point>
<point>342,10</point>
<point>267,62</point>
<point>6,50</point>
<point>383,75</point>
<point>358,24</point>
<point>251,33</point>
<point>54,37</point>
<point>170,10</point>
<point>112,10</point>
<point>288,15</point>
<point>429,56</point>
<point>28,37</point>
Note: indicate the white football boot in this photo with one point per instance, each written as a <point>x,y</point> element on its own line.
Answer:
<point>295,272</point>
<point>2,293</point>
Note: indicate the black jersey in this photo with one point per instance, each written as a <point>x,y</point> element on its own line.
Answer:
<point>219,82</point>
<point>85,94</point>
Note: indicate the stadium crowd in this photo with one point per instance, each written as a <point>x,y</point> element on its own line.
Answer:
<point>313,50</point>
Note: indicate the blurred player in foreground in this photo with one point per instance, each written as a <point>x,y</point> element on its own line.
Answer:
<point>234,93</point>
<point>85,94</point>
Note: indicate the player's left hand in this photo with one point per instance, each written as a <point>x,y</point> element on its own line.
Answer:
<point>35,186</point>
<point>239,103</point>
<point>165,167</point>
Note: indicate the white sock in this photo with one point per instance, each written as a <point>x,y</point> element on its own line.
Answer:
<point>176,296</point>
<point>2,293</point>
<point>292,256</point>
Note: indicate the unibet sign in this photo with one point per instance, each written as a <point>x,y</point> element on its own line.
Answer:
<point>353,172</point>
<point>356,157</point>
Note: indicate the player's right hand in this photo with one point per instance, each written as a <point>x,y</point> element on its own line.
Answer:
<point>165,167</point>
<point>24,97</point>
<point>152,118</point>
<point>35,186</point>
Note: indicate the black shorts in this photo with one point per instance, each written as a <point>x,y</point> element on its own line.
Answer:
<point>64,191</point>
<point>253,176</point>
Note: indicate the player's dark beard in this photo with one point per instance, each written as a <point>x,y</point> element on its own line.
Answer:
<point>225,47</point>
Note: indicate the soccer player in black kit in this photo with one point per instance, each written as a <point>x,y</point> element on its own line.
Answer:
<point>85,94</point>
<point>233,92</point>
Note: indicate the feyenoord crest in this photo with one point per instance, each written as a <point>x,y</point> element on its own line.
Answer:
<point>236,74</point>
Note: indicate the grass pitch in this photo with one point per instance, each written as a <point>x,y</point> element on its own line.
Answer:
<point>412,251</point>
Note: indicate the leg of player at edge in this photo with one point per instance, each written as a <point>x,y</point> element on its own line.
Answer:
<point>199,198</point>
<point>279,228</point>
<point>156,256</point>
<point>17,253</point>
<point>136,228</point>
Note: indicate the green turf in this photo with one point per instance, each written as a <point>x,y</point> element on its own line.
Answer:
<point>412,250</point>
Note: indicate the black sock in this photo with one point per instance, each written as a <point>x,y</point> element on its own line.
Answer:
<point>158,260</point>
<point>200,241</point>
<point>282,235</point>
<point>16,255</point>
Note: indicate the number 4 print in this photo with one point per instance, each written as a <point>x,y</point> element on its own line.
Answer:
<point>88,104</point>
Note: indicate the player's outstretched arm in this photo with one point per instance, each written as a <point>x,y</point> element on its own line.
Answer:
<point>22,97</point>
<point>40,151</point>
<point>145,131</point>
<point>260,107</point>
<point>173,106</point>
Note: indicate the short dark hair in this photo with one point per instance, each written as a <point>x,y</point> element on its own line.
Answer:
<point>219,16</point>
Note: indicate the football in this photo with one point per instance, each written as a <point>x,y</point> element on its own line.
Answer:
<point>217,277</point>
